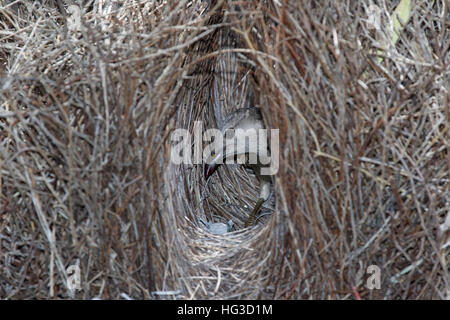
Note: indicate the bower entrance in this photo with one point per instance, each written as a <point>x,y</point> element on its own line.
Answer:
<point>227,84</point>
<point>214,87</point>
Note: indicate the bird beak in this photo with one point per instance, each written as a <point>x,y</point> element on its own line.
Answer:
<point>209,170</point>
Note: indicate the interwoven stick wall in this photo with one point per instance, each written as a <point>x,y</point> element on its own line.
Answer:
<point>92,91</point>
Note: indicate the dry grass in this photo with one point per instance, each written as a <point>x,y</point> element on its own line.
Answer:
<point>85,123</point>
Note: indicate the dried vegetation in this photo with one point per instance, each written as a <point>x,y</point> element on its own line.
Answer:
<point>86,116</point>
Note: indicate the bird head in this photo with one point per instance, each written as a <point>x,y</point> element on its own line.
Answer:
<point>212,163</point>
<point>243,119</point>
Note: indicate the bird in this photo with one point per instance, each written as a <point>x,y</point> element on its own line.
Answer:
<point>244,119</point>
